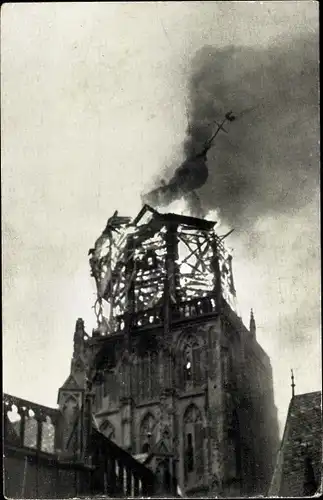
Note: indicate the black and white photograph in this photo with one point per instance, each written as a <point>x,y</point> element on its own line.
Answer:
<point>161,258</point>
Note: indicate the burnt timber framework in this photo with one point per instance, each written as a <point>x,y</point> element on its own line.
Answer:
<point>158,269</point>
<point>176,377</point>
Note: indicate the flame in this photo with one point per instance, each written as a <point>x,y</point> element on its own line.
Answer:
<point>179,207</point>
<point>182,207</point>
<point>213,215</point>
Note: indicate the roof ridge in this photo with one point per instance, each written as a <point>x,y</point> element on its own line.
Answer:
<point>307,394</point>
<point>302,410</point>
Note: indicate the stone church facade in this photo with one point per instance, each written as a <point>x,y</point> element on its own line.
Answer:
<point>176,378</point>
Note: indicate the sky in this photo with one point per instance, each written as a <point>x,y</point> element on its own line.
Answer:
<point>96,100</point>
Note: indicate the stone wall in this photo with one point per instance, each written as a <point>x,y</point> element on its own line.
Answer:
<point>232,389</point>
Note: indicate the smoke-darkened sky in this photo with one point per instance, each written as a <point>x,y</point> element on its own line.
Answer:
<point>96,99</point>
<point>268,163</point>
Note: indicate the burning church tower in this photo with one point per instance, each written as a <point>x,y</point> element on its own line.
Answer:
<point>178,380</point>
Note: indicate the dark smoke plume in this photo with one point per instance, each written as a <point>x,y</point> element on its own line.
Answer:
<point>269,161</point>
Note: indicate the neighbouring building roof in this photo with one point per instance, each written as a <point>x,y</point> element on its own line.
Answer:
<point>298,470</point>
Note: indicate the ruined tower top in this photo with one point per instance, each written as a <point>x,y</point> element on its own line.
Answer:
<point>158,268</point>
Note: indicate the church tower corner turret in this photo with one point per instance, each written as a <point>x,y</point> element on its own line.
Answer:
<point>71,394</point>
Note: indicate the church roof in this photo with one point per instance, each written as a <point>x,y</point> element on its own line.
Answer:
<point>71,383</point>
<point>299,461</point>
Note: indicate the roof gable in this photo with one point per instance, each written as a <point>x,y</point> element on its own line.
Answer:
<point>298,466</point>
<point>160,448</point>
<point>70,383</point>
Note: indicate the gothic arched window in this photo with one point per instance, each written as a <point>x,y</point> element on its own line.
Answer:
<point>147,433</point>
<point>191,366</point>
<point>187,368</point>
<point>149,378</point>
<point>193,442</point>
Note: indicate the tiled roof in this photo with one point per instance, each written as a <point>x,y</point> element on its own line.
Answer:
<point>299,462</point>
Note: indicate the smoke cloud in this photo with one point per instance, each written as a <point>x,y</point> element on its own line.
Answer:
<point>268,162</point>
<point>264,182</point>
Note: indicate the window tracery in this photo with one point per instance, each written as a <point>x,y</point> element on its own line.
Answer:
<point>191,366</point>
<point>188,365</point>
<point>146,372</point>
<point>193,442</point>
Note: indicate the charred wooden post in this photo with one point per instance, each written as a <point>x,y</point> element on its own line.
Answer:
<point>217,275</point>
<point>232,287</point>
<point>171,278</point>
<point>130,293</point>
<point>159,269</point>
